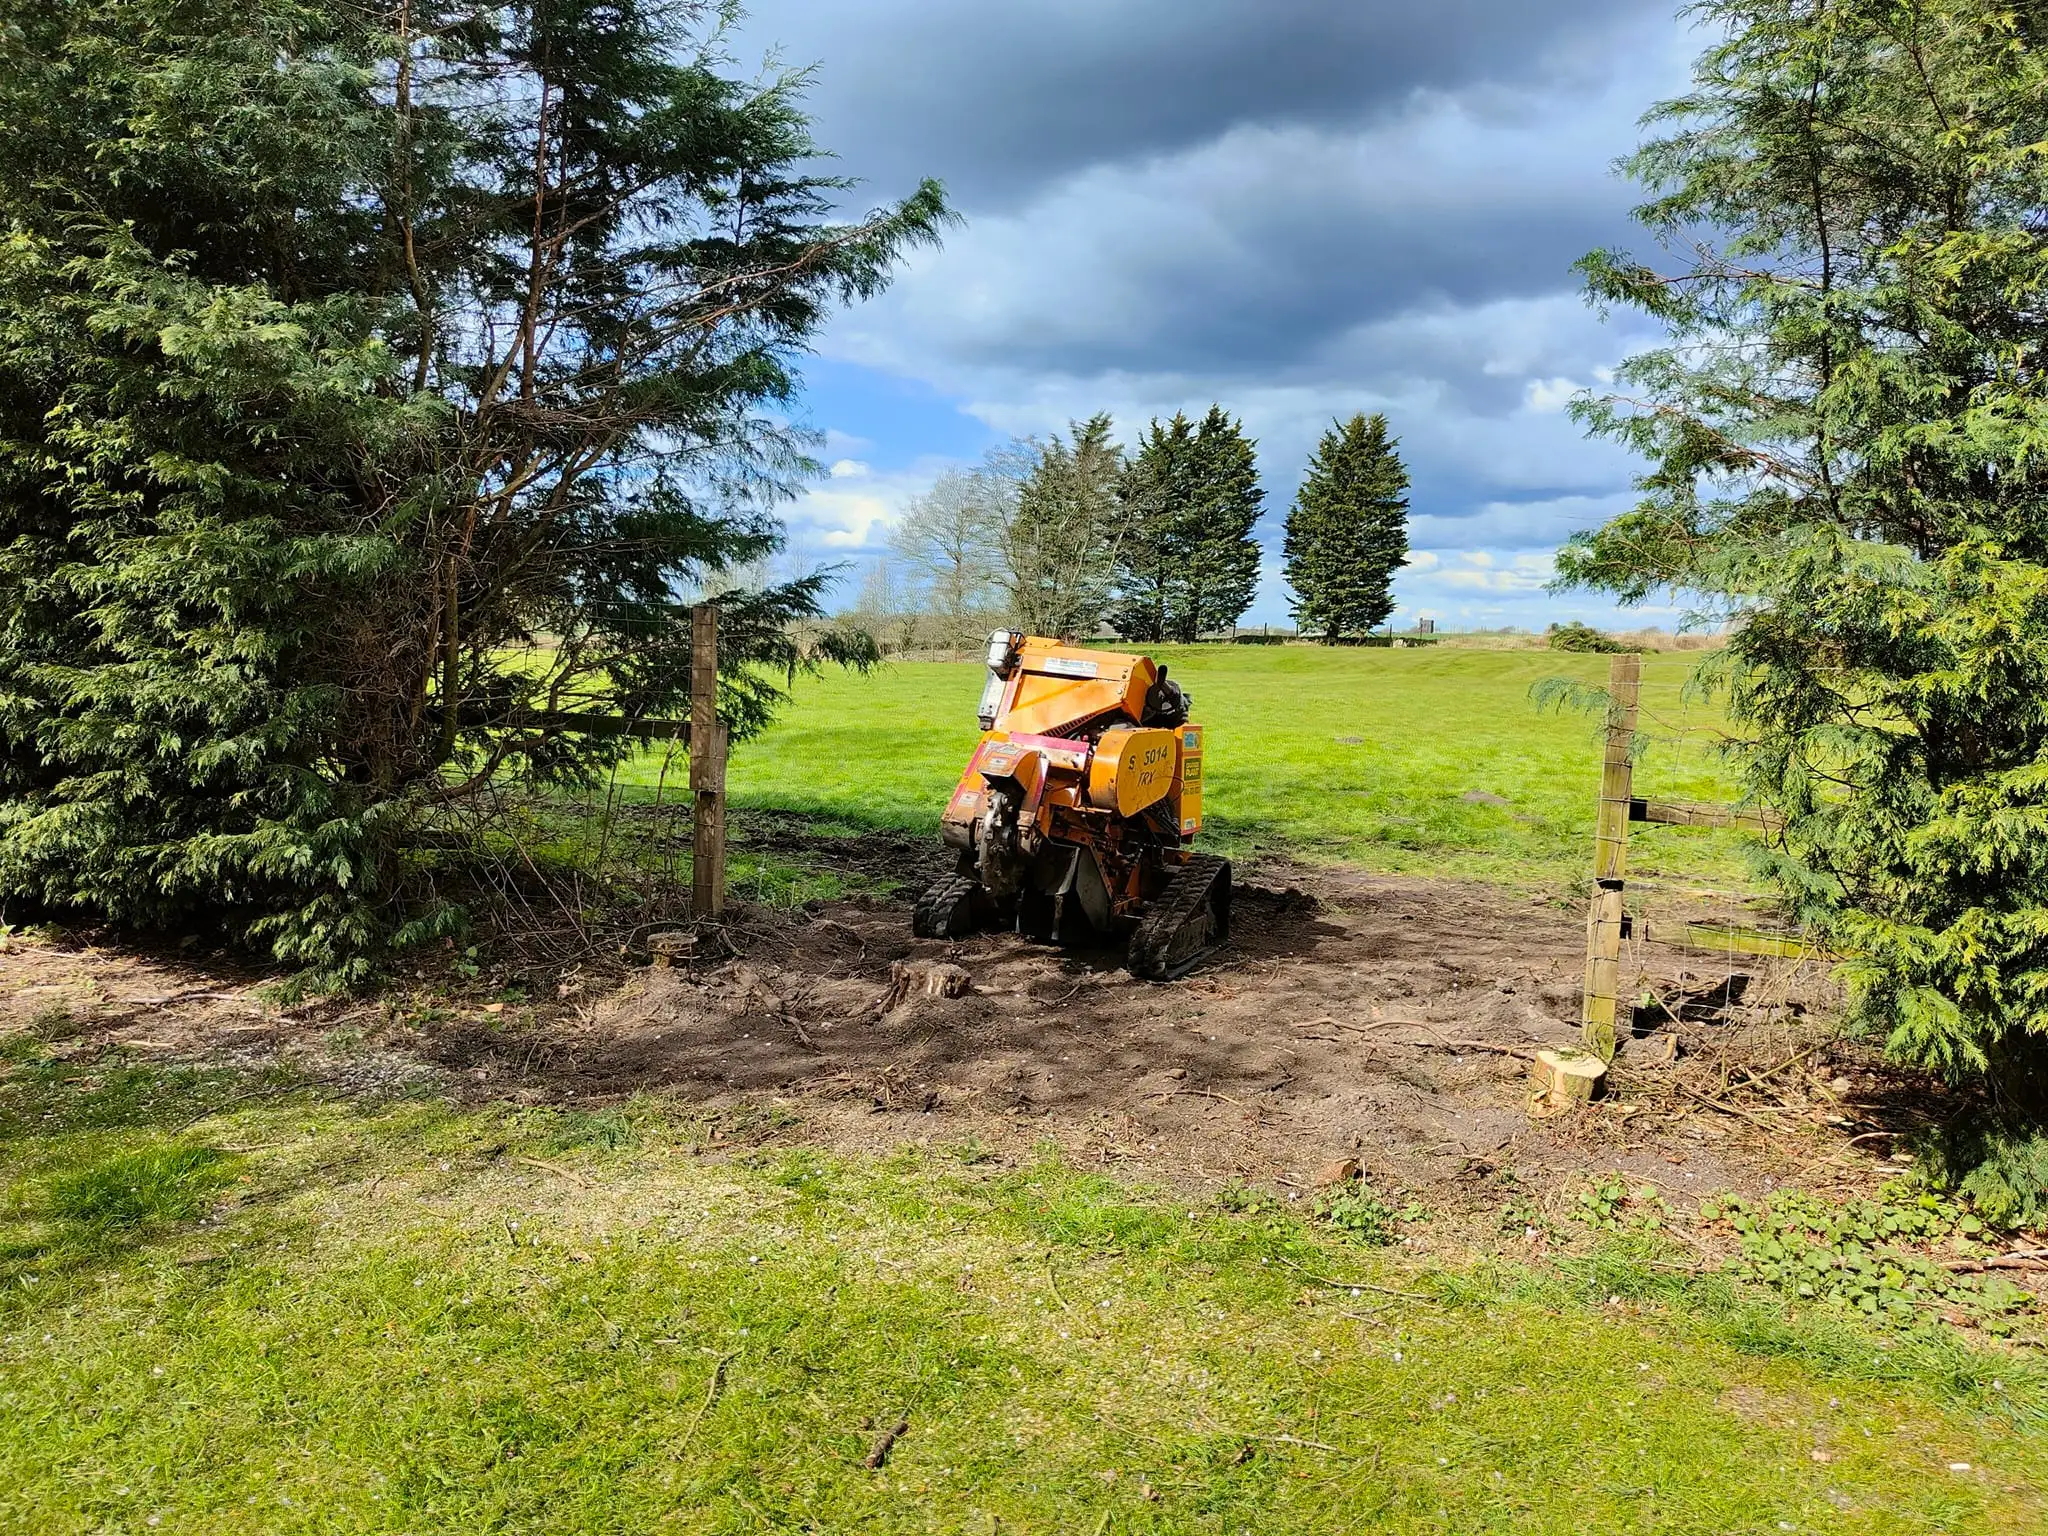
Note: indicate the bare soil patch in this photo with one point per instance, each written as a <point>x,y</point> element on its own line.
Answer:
<point>1352,1016</point>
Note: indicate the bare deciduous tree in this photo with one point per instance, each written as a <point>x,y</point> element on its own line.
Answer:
<point>949,536</point>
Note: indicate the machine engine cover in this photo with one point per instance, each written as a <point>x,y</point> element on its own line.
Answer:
<point>1132,768</point>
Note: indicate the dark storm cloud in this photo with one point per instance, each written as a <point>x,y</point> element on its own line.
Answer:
<point>1274,301</point>
<point>996,99</point>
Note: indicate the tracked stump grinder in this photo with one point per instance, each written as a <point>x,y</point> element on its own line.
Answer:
<point>1075,819</point>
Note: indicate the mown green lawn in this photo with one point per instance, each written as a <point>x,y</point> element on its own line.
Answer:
<point>1365,756</point>
<point>299,1315</point>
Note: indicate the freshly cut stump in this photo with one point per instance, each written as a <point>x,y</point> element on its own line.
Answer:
<point>1563,1081</point>
<point>925,978</point>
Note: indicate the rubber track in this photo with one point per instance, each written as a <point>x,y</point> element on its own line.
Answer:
<point>1177,906</point>
<point>943,897</point>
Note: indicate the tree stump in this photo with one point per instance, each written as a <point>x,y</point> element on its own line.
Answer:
<point>1563,1081</point>
<point>925,978</point>
<point>667,948</point>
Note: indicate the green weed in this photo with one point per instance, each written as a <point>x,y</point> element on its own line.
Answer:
<point>1363,1214</point>
<point>601,1130</point>
<point>971,1151</point>
<point>156,1184</point>
<point>1607,1204</point>
<point>53,1022</point>
<point>1894,1258</point>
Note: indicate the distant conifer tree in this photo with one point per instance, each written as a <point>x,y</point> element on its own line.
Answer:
<point>1222,574</point>
<point>1056,554</point>
<point>1187,564</point>
<point>1348,531</point>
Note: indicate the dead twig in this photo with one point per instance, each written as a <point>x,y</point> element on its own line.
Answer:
<point>1357,1029</point>
<point>1311,1445</point>
<point>710,1397</point>
<point>886,1441</point>
<point>1466,1045</point>
<point>1728,1109</point>
<point>1357,1285</point>
<point>558,1170</point>
<point>1759,1079</point>
<point>189,997</point>
<point>2019,1258</point>
<point>1053,1280</point>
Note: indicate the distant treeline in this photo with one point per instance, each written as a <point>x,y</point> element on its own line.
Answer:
<point>1074,534</point>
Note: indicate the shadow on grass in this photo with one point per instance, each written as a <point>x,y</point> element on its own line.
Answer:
<point>102,1163</point>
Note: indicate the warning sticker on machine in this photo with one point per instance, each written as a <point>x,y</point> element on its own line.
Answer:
<point>1070,666</point>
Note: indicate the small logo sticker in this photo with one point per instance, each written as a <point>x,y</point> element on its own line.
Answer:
<point>1070,666</point>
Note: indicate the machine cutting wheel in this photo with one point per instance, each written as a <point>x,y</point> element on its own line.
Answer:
<point>1074,819</point>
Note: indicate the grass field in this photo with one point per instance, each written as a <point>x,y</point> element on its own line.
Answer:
<point>306,1316</point>
<point>1365,756</point>
<point>231,1304</point>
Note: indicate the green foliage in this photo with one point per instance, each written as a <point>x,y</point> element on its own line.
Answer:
<point>2001,1170</point>
<point>1845,438</point>
<point>1187,564</point>
<point>345,351</point>
<point>1875,1256</point>
<point>1242,1200</point>
<point>1056,552</point>
<point>1607,1204</point>
<point>971,1151</point>
<point>1574,636</point>
<point>1348,531</point>
<point>158,1184</point>
<point>1363,1214</point>
<point>601,1130</point>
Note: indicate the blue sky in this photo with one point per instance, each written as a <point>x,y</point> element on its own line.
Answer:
<point>1297,208</point>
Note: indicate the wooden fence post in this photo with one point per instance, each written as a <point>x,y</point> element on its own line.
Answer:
<point>1599,1021</point>
<point>707,768</point>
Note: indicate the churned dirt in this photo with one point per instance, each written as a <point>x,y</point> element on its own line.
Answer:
<point>1390,1020</point>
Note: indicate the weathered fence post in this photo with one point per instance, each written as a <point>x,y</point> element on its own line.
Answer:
<point>707,767</point>
<point>1599,1022</point>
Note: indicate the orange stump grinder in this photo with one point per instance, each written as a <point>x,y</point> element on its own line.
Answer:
<point>1075,816</point>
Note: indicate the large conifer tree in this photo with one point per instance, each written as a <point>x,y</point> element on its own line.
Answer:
<point>1154,496</point>
<point>345,350</point>
<point>1187,564</point>
<point>1058,547</point>
<point>1848,450</point>
<point>1348,531</point>
<point>1222,575</point>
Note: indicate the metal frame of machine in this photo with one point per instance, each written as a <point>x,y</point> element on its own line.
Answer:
<point>1074,818</point>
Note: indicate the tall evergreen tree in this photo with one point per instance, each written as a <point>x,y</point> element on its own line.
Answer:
<point>1155,497</point>
<point>1848,454</point>
<point>1058,549</point>
<point>1187,564</point>
<point>1222,572</point>
<point>1348,531</point>
<point>344,350</point>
